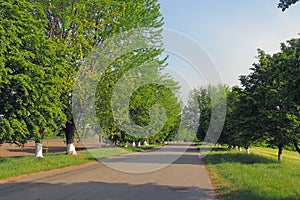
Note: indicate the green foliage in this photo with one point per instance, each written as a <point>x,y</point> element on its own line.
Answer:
<point>266,109</point>
<point>121,77</point>
<point>186,135</point>
<point>210,102</point>
<point>273,88</point>
<point>145,64</point>
<point>31,71</point>
<point>83,25</point>
<point>285,4</point>
<point>45,43</point>
<point>203,98</point>
<point>239,128</point>
<point>145,98</point>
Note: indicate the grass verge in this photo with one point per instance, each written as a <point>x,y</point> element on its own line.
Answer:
<point>257,176</point>
<point>16,166</point>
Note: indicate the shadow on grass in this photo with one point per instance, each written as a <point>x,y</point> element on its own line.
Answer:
<point>234,157</point>
<point>213,149</point>
<point>8,159</point>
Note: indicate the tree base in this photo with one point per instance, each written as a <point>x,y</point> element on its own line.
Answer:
<point>39,150</point>
<point>248,151</point>
<point>71,149</point>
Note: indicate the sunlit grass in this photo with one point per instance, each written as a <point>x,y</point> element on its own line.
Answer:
<point>16,166</point>
<point>256,176</point>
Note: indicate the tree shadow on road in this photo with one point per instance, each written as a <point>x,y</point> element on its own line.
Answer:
<point>101,190</point>
<point>175,154</point>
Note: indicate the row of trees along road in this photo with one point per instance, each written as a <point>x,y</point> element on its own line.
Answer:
<point>44,43</point>
<point>266,108</point>
<point>32,71</point>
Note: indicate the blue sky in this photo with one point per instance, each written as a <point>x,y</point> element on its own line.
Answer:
<point>231,31</point>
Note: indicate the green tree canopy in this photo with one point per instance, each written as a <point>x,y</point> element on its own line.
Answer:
<point>211,102</point>
<point>285,4</point>
<point>31,71</point>
<point>82,25</point>
<point>273,90</point>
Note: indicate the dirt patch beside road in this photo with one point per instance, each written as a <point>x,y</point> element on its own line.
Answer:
<point>51,146</point>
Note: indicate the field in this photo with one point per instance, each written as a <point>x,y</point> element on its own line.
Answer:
<point>238,175</point>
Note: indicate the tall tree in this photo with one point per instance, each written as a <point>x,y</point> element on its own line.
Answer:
<point>31,75</point>
<point>203,98</point>
<point>211,102</point>
<point>241,112</point>
<point>273,87</point>
<point>126,73</point>
<point>81,25</point>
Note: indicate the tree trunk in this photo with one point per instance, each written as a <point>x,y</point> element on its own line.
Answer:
<point>100,140</point>
<point>39,145</point>
<point>240,149</point>
<point>248,150</point>
<point>296,146</point>
<point>280,148</point>
<point>146,143</point>
<point>38,150</point>
<point>70,132</point>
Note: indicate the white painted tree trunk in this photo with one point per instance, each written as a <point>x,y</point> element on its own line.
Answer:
<point>240,149</point>
<point>280,149</point>
<point>146,143</point>
<point>248,151</point>
<point>139,144</point>
<point>280,157</point>
<point>71,149</point>
<point>39,150</point>
<point>133,144</point>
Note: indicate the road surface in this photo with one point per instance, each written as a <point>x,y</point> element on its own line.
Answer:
<point>186,178</point>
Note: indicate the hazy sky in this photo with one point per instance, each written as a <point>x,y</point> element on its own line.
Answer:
<point>231,31</point>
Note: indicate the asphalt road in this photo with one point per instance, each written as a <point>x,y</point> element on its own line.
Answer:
<point>146,175</point>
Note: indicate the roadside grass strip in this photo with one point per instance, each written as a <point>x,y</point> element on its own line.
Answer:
<point>237,175</point>
<point>17,166</point>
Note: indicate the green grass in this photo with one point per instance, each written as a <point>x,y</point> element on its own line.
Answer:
<point>16,166</point>
<point>257,176</point>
